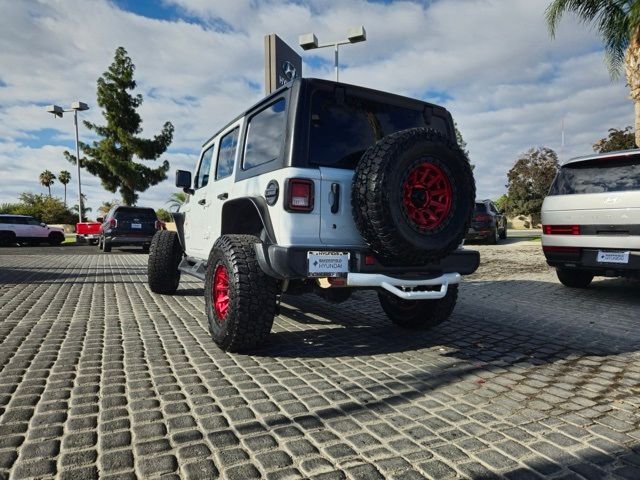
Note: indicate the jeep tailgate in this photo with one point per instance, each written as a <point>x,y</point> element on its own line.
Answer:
<point>337,227</point>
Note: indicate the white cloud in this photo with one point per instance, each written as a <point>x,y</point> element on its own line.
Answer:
<point>508,84</point>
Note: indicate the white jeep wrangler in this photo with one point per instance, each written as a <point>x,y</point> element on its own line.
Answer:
<point>322,187</point>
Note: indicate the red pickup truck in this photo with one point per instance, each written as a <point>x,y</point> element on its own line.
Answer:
<point>88,232</point>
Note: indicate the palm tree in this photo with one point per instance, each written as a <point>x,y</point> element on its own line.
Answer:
<point>46,179</point>
<point>65,178</point>
<point>617,22</point>
<point>176,200</point>
<point>106,206</point>
<point>85,209</point>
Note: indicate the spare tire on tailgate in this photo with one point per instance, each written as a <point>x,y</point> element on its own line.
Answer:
<point>413,195</point>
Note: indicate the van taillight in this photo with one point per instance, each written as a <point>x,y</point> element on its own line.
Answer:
<point>300,195</point>
<point>158,225</point>
<point>561,229</point>
<point>482,217</point>
<point>113,223</point>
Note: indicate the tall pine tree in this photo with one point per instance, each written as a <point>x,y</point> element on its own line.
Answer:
<point>112,157</point>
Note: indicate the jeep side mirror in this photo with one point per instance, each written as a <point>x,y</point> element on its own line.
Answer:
<point>100,219</point>
<point>42,224</point>
<point>183,180</point>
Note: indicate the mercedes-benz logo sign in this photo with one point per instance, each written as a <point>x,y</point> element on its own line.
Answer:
<point>288,70</point>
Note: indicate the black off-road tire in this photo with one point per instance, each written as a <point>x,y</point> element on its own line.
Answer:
<point>574,278</point>
<point>377,196</point>
<point>493,238</point>
<point>418,314</point>
<point>55,238</point>
<point>106,245</point>
<point>251,292</point>
<point>503,233</point>
<point>165,254</point>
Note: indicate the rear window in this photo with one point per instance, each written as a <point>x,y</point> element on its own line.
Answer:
<point>480,208</point>
<point>341,130</point>
<point>598,176</point>
<point>130,213</point>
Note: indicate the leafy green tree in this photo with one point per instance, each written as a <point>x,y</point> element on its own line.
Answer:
<point>616,140</point>
<point>43,207</point>
<point>112,157</point>
<point>618,24</point>
<point>47,179</point>
<point>501,202</point>
<point>462,144</point>
<point>529,181</point>
<point>64,177</point>
<point>176,200</point>
<point>164,215</point>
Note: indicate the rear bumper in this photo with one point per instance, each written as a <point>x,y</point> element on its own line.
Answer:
<point>405,288</point>
<point>129,239</point>
<point>587,259</point>
<point>291,263</point>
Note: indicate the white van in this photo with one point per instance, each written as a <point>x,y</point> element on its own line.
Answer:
<point>591,218</point>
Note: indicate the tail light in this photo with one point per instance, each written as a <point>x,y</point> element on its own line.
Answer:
<point>159,225</point>
<point>299,195</point>
<point>482,217</point>
<point>113,223</point>
<point>561,229</point>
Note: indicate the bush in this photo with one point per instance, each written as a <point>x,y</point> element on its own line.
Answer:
<point>43,207</point>
<point>164,215</point>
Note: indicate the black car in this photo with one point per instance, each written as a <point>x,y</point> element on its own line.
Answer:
<point>124,226</point>
<point>488,224</point>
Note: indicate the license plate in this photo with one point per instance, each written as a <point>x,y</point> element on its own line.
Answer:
<point>136,225</point>
<point>328,264</point>
<point>613,257</point>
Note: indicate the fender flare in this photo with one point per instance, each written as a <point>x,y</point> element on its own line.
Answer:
<point>248,215</point>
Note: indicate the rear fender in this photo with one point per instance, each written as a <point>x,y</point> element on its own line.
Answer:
<point>250,216</point>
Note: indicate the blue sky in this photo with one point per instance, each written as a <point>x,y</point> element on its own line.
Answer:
<point>199,63</point>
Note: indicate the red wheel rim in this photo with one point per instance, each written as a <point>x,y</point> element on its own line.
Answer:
<point>426,196</point>
<point>221,292</point>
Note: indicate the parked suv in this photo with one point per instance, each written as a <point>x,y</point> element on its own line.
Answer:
<point>125,226</point>
<point>591,218</point>
<point>24,229</point>
<point>488,223</point>
<point>323,187</point>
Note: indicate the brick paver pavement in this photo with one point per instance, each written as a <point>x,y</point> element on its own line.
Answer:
<point>100,377</point>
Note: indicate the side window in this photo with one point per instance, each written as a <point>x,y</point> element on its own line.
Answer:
<point>227,154</point>
<point>265,134</point>
<point>202,178</point>
<point>33,221</point>
<point>19,221</point>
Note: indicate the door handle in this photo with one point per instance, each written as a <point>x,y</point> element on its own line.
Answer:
<point>202,202</point>
<point>223,196</point>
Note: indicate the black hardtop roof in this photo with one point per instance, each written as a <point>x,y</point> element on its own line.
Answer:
<point>317,82</point>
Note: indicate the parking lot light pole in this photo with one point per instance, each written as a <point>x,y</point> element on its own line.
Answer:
<point>59,112</point>
<point>309,41</point>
